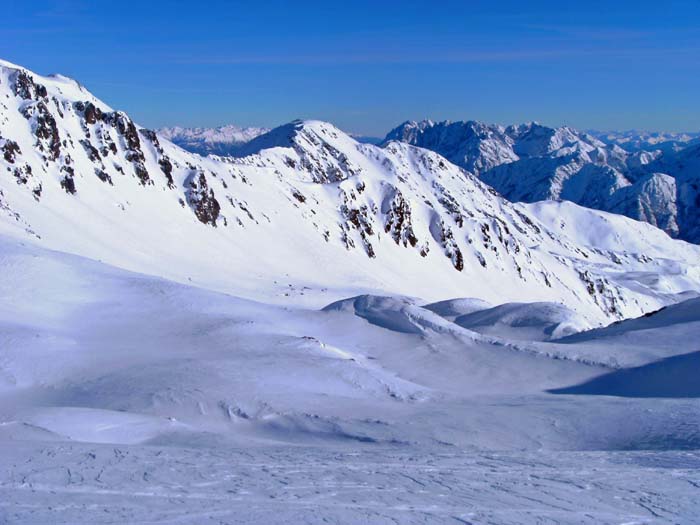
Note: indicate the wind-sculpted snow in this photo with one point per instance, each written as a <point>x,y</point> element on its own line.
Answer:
<point>133,399</point>
<point>653,179</point>
<point>452,308</point>
<point>684,312</point>
<point>306,211</point>
<point>399,315</point>
<point>528,321</point>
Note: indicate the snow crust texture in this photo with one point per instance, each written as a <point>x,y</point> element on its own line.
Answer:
<point>130,398</point>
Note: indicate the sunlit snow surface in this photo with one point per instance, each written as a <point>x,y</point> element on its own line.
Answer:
<point>81,483</point>
<point>126,398</point>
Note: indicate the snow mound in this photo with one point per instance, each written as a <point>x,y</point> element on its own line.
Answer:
<point>452,308</point>
<point>541,321</point>
<point>101,426</point>
<point>392,313</point>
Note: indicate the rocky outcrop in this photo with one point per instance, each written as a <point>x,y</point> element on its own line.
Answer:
<point>127,130</point>
<point>201,198</point>
<point>10,150</point>
<point>398,219</point>
<point>45,129</point>
<point>359,218</point>
<point>26,88</point>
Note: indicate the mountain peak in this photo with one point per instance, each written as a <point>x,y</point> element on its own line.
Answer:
<point>300,134</point>
<point>305,201</point>
<point>530,162</point>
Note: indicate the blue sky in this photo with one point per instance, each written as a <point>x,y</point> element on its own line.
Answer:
<point>367,66</point>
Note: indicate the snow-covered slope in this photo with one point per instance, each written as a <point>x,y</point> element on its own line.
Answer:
<point>531,162</point>
<point>305,214</point>
<point>656,335</point>
<point>528,321</point>
<point>132,398</point>
<point>145,360</point>
<point>224,140</point>
<point>684,165</point>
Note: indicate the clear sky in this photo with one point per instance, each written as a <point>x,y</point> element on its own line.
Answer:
<point>367,66</point>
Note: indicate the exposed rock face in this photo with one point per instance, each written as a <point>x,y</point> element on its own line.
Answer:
<point>68,184</point>
<point>92,151</point>
<point>360,218</point>
<point>92,113</point>
<point>444,236</point>
<point>167,167</point>
<point>202,200</point>
<point>10,150</point>
<point>398,220</point>
<point>26,88</point>
<point>45,129</point>
<point>127,130</point>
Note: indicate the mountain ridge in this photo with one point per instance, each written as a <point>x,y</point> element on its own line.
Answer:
<point>307,213</point>
<point>531,162</point>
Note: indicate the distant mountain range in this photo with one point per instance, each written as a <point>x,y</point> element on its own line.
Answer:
<point>531,162</point>
<point>633,140</point>
<point>224,140</point>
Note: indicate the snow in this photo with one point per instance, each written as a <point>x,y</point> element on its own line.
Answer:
<point>528,321</point>
<point>305,212</point>
<point>224,140</point>
<point>452,308</point>
<point>646,179</point>
<point>167,360</point>
<point>671,377</point>
<point>636,140</point>
<point>134,399</point>
<point>125,484</point>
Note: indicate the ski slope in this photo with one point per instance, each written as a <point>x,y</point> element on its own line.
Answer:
<point>193,406</point>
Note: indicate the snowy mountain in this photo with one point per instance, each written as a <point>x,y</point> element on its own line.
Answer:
<point>224,140</point>
<point>302,212</point>
<point>633,140</point>
<point>319,330</point>
<point>531,162</point>
<point>685,169</point>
